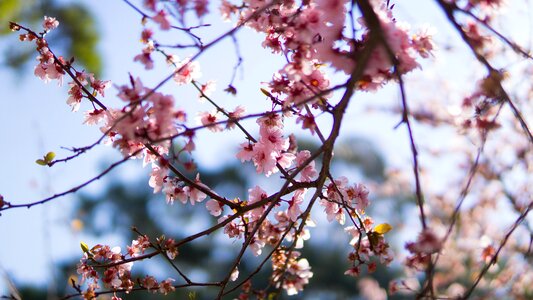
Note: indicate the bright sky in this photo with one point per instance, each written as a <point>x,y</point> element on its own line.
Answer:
<point>34,119</point>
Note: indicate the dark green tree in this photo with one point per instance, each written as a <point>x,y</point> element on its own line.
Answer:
<point>78,35</point>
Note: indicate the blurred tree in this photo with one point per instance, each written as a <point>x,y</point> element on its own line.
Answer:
<point>77,36</point>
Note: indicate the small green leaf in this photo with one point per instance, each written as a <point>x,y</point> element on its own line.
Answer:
<point>382,228</point>
<point>41,162</point>
<point>49,157</point>
<point>192,295</point>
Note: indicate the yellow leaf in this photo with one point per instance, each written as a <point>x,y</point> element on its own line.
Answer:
<point>84,247</point>
<point>382,228</point>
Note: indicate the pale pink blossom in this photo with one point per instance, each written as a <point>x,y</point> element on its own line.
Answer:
<point>49,71</point>
<point>133,93</point>
<point>150,283</point>
<point>173,191</point>
<point>145,57</point>
<point>100,85</point>
<point>423,41</point>
<point>285,159</point>
<point>302,273</point>
<point>214,207</point>
<point>50,23</point>
<point>308,173</point>
<point>256,194</point>
<point>76,95</point>
<point>157,178</point>
<point>226,10</point>
<point>93,117</point>
<point>130,125</point>
<point>358,194</point>
<point>207,89</point>
<point>273,137</point>
<point>187,71</point>
<point>294,210</point>
<point>237,113</point>
<point>162,19</point>
<point>256,245</point>
<point>265,159</point>
<point>195,195</point>
<point>333,211</point>
<point>166,286</point>
<point>208,119</point>
<point>247,152</point>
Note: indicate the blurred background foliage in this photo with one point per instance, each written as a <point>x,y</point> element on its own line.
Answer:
<point>77,36</point>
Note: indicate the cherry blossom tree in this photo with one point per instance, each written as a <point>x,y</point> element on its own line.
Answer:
<point>464,244</point>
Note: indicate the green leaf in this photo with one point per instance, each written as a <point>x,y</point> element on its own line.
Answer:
<point>41,162</point>
<point>49,157</point>
<point>9,11</point>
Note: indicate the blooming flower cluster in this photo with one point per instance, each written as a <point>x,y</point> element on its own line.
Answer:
<point>271,149</point>
<point>313,33</point>
<point>113,268</point>
<point>341,196</point>
<point>290,272</point>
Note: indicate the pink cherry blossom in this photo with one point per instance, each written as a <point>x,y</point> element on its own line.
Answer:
<point>187,71</point>
<point>162,19</point>
<point>246,153</point>
<point>50,23</point>
<point>93,117</point>
<point>237,113</point>
<point>166,286</point>
<point>157,178</point>
<point>173,191</point>
<point>294,210</point>
<point>309,172</point>
<point>145,57</point>
<point>195,195</point>
<point>265,158</point>
<point>207,89</point>
<point>209,119</point>
<point>214,207</point>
